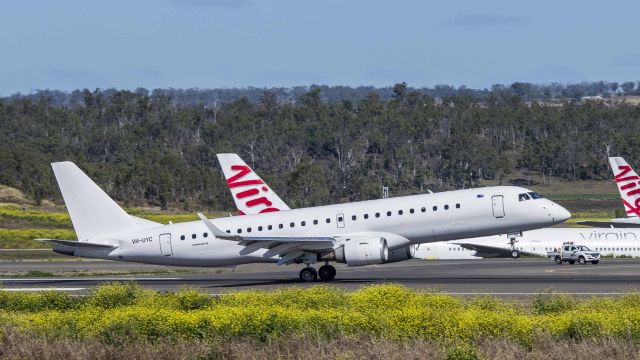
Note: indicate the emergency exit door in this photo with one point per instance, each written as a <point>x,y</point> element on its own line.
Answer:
<point>497,202</point>
<point>165,244</point>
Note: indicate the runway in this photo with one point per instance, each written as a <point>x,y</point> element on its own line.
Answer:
<point>501,277</point>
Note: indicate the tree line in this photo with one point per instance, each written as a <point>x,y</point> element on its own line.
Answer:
<point>145,148</point>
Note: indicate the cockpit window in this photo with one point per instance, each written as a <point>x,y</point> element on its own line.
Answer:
<point>523,197</point>
<point>535,195</point>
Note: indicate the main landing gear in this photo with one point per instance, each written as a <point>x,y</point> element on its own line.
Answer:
<point>326,273</point>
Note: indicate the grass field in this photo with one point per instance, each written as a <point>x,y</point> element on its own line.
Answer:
<point>375,320</point>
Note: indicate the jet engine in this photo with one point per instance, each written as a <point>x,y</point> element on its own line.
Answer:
<point>402,254</point>
<point>363,251</point>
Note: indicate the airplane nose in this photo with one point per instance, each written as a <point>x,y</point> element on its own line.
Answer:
<point>560,214</point>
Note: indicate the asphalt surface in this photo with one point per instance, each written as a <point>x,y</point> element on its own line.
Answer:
<point>501,277</point>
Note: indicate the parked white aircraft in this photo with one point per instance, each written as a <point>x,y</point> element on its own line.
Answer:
<point>607,241</point>
<point>358,233</point>
<point>628,183</point>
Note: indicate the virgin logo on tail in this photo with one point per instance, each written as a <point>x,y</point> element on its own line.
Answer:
<point>631,184</point>
<point>257,187</point>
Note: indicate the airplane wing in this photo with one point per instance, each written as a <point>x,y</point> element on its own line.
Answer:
<point>493,251</point>
<point>289,248</point>
<point>80,244</point>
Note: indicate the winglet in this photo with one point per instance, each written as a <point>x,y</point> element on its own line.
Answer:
<point>216,231</point>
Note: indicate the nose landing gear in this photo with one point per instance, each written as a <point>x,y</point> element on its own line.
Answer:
<point>515,253</point>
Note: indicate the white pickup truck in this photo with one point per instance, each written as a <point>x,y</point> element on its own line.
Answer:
<point>572,253</point>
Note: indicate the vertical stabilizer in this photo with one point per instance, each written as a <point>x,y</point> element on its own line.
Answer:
<point>92,211</point>
<point>250,193</point>
<point>628,183</point>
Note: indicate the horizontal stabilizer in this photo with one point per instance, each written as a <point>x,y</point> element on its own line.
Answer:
<point>79,244</point>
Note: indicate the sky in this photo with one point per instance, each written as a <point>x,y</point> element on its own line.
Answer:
<point>69,44</point>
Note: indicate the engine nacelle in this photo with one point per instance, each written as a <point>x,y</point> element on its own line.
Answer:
<point>402,254</point>
<point>363,251</point>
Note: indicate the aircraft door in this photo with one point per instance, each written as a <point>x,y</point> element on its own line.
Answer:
<point>340,221</point>
<point>497,202</point>
<point>165,244</point>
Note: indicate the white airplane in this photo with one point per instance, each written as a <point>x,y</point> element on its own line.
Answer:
<point>614,242</point>
<point>628,183</point>
<point>357,233</point>
<point>491,246</point>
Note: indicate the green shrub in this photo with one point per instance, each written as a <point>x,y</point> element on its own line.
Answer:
<point>553,303</point>
<point>115,295</point>
<point>36,301</point>
<point>190,299</point>
<point>462,351</point>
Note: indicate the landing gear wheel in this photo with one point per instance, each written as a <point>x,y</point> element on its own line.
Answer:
<point>558,260</point>
<point>515,254</point>
<point>582,260</point>
<point>327,272</point>
<point>308,274</point>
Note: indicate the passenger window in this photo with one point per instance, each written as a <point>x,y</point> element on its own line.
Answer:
<point>339,218</point>
<point>424,209</point>
<point>388,213</point>
<point>205,234</point>
<point>353,217</point>
<point>239,231</point>
<point>193,236</point>
<point>315,222</point>
<point>292,224</point>
<point>248,230</point>
<point>228,232</point>
<point>435,208</point>
<point>303,223</point>
<point>377,214</point>
<point>399,212</point>
<point>366,216</point>
<point>259,228</point>
<point>411,211</point>
<point>280,226</point>
<point>269,227</point>
<point>457,206</point>
<point>182,236</point>
<point>328,221</point>
<point>446,207</point>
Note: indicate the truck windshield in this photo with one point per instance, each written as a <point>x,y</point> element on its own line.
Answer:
<point>583,248</point>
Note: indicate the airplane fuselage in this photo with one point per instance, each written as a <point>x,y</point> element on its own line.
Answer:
<point>402,221</point>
